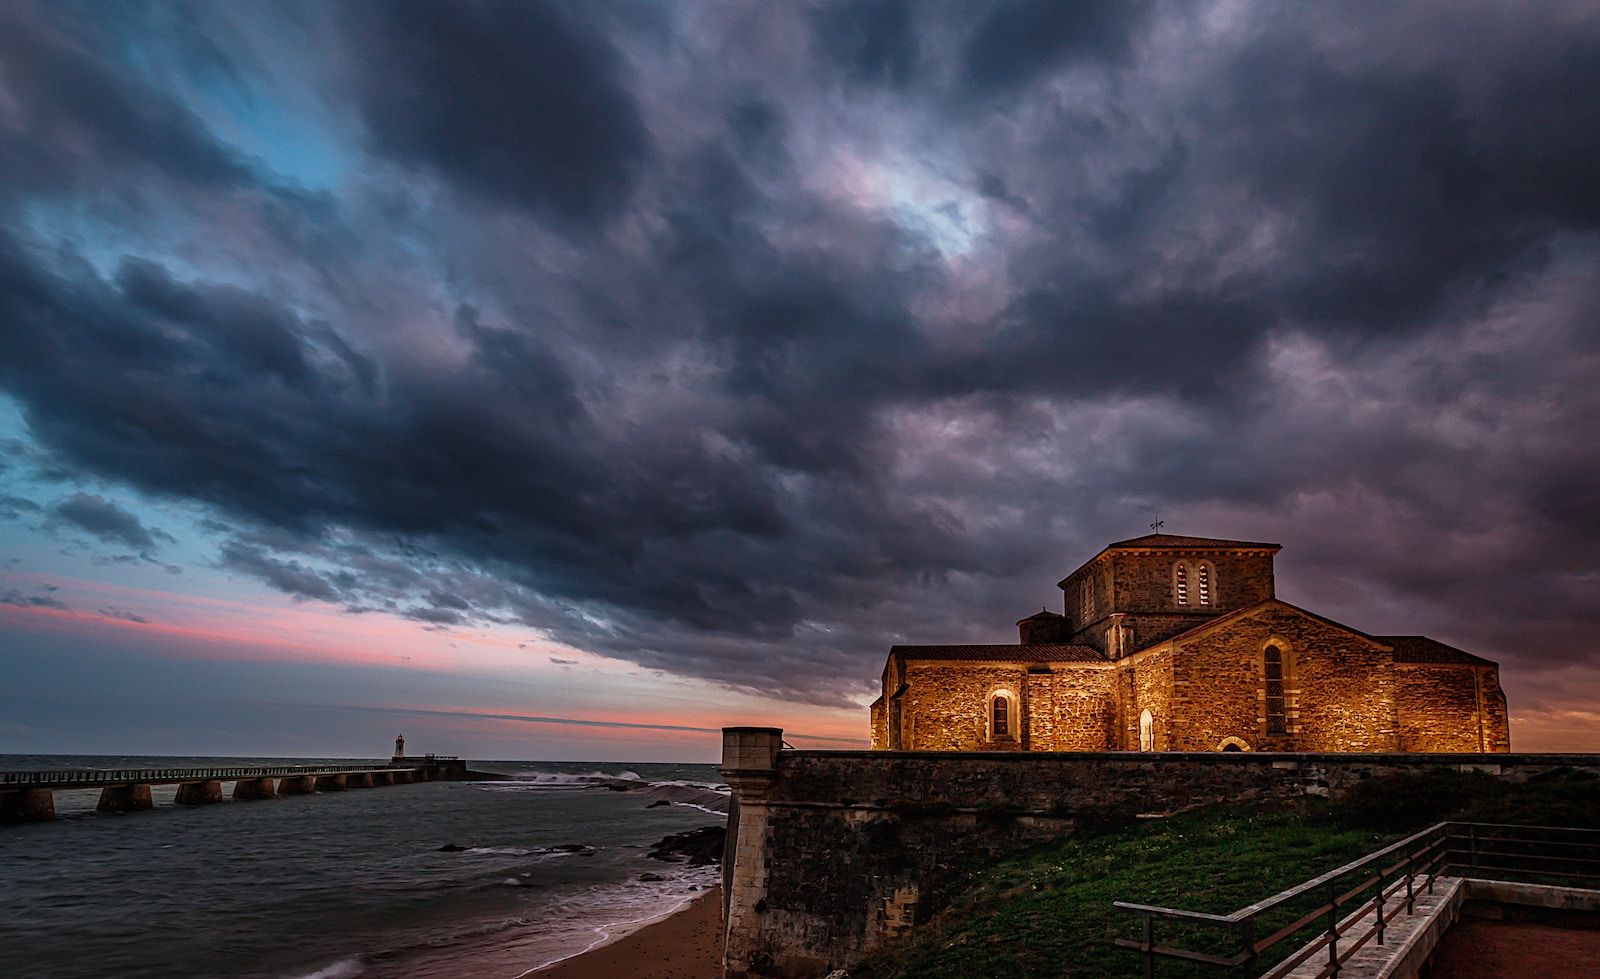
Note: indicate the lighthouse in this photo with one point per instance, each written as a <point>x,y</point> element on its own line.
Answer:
<point>399,747</point>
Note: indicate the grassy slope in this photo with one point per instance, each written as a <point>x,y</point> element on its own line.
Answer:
<point>1048,912</point>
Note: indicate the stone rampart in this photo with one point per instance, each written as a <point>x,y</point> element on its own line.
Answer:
<point>835,853</point>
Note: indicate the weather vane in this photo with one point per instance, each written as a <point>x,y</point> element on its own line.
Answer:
<point>1158,525</point>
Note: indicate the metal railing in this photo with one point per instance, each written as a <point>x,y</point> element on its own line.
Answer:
<point>95,777</point>
<point>1349,906</point>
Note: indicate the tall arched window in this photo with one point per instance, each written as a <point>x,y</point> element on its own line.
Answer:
<point>1147,732</point>
<point>1180,583</point>
<point>1272,670</point>
<point>1002,717</point>
<point>1205,576</point>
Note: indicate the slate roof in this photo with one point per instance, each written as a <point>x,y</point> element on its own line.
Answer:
<point>1176,540</point>
<point>1421,649</point>
<point>1043,652</point>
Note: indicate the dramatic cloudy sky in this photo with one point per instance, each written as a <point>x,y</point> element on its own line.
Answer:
<point>570,379</point>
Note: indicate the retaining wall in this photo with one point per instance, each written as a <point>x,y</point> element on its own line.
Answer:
<point>832,854</point>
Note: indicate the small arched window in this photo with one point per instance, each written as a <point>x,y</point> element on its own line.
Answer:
<point>1180,583</point>
<point>1272,671</point>
<point>1205,576</point>
<point>1147,732</point>
<point>1000,718</point>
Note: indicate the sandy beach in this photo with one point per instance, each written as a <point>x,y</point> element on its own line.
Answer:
<point>685,945</point>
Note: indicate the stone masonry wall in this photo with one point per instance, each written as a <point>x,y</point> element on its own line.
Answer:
<point>1072,709</point>
<point>1143,582</point>
<point>1449,707</point>
<point>1340,688</point>
<point>1152,690</point>
<point>946,705</point>
<point>880,725</point>
<point>839,853</point>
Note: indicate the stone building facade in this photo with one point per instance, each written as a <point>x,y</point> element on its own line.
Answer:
<point>1170,643</point>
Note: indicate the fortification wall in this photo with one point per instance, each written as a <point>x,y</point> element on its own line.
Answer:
<point>834,854</point>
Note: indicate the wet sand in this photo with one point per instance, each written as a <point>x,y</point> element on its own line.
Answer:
<point>686,945</point>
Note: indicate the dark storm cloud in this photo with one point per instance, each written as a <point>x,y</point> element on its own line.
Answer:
<point>524,102</point>
<point>107,521</point>
<point>890,314</point>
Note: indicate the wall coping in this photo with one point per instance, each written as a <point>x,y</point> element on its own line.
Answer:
<point>1211,757</point>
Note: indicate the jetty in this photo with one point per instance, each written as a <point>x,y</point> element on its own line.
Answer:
<point>29,795</point>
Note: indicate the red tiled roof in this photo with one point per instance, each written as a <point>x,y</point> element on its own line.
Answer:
<point>1176,540</point>
<point>1043,652</point>
<point>1044,614</point>
<point>1421,649</point>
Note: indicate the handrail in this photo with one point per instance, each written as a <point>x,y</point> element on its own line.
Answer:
<point>1344,904</point>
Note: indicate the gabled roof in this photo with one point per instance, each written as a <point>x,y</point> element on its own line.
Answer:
<point>1209,543</point>
<point>1043,615</point>
<point>1039,652</point>
<point>1421,649</point>
<point>1174,542</point>
<point>1227,617</point>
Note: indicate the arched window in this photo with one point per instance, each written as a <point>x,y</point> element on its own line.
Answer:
<point>1206,576</point>
<point>1233,744</point>
<point>1272,671</point>
<point>1002,716</point>
<point>1147,732</point>
<point>1180,583</point>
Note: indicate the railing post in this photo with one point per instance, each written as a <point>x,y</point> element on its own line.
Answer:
<point>1333,928</point>
<point>1247,932</point>
<point>1378,908</point>
<point>1149,946</point>
<point>1472,842</point>
<point>1411,873</point>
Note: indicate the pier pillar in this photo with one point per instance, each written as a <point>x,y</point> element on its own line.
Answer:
<point>750,767</point>
<point>330,783</point>
<point>204,793</point>
<point>359,780</point>
<point>254,788</point>
<point>297,785</point>
<point>403,776</point>
<point>125,798</point>
<point>382,778</point>
<point>27,806</point>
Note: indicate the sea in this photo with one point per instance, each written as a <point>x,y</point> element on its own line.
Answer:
<point>492,879</point>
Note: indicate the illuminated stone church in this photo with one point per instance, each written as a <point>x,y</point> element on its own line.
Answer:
<point>1173,643</point>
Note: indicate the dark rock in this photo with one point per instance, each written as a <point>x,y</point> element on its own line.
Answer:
<point>698,847</point>
<point>451,848</point>
<point>651,878</point>
<point>658,804</point>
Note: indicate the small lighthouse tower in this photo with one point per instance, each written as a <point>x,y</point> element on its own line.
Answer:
<point>399,747</point>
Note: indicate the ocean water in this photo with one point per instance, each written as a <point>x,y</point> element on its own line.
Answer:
<point>350,883</point>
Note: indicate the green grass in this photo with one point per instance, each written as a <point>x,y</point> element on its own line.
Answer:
<point>1048,912</point>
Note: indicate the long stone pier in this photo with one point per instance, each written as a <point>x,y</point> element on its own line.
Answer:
<point>29,796</point>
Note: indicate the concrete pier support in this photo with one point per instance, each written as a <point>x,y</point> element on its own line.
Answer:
<point>27,806</point>
<point>297,785</point>
<point>382,778</point>
<point>403,776</point>
<point>254,788</point>
<point>125,798</point>
<point>204,793</point>
<point>330,783</point>
<point>358,780</point>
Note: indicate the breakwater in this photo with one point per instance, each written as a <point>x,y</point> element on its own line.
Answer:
<point>29,795</point>
<point>832,854</point>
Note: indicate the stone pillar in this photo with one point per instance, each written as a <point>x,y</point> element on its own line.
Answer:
<point>204,793</point>
<point>330,783</point>
<point>403,776</point>
<point>750,767</point>
<point>358,780</point>
<point>125,798</point>
<point>297,785</point>
<point>27,806</point>
<point>254,788</point>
